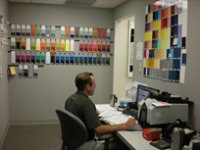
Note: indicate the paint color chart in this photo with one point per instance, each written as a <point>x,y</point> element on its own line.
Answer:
<point>165,54</point>
<point>49,44</point>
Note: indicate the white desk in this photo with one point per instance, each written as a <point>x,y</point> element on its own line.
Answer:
<point>133,139</point>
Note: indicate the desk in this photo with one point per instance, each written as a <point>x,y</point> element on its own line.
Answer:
<point>133,139</point>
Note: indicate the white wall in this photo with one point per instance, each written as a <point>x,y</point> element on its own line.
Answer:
<point>192,82</point>
<point>35,100</point>
<point>121,81</point>
<point>4,103</point>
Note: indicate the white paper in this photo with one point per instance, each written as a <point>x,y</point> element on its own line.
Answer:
<point>139,51</point>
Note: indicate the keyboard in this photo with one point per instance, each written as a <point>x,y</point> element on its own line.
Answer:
<point>131,112</point>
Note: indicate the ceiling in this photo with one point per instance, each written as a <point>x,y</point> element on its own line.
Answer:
<point>83,3</point>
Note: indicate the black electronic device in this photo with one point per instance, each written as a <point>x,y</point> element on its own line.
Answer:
<point>142,92</point>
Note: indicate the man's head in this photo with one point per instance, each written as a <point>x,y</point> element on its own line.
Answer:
<point>85,82</point>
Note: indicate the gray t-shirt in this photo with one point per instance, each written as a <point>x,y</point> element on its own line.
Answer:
<point>81,106</point>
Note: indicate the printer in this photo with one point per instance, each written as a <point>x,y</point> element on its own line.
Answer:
<point>152,112</point>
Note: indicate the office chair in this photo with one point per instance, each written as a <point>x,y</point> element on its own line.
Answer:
<point>74,131</point>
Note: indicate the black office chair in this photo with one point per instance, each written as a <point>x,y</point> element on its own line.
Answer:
<point>74,131</point>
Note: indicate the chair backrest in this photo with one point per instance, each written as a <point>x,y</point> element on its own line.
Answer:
<point>74,131</point>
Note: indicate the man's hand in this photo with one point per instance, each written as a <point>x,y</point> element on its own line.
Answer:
<point>130,123</point>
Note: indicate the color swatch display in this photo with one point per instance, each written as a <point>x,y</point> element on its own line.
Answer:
<point>50,44</point>
<point>165,40</point>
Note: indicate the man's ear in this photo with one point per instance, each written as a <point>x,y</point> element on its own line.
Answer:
<point>87,86</point>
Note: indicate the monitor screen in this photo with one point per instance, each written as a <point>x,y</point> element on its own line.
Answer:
<point>143,91</point>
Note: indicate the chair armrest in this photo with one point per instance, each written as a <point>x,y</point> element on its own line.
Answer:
<point>104,136</point>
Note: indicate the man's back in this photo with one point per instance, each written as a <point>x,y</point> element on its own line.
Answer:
<point>80,105</point>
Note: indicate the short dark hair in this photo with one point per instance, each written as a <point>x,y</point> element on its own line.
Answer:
<point>82,79</point>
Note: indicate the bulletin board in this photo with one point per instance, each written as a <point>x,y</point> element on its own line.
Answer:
<point>164,55</point>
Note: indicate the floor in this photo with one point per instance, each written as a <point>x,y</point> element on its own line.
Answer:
<point>33,137</point>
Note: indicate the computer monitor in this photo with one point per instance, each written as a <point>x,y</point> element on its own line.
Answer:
<point>143,91</point>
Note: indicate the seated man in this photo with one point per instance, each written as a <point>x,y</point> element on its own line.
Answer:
<point>80,105</point>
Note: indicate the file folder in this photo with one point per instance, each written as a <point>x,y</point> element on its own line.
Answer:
<point>13,57</point>
<point>72,58</point>
<point>52,44</point>
<point>71,45</point>
<point>94,32</point>
<point>52,57</point>
<point>28,29</point>
<point>28,44</point>
<point>67,31</point>
<point>43,56</point>
<point>38,44</point>
<point>23,29</point>
<point>62,45</point>
<point>57,57</point>
<point>53,28</point>
<point>43,30</point>
<point>86,32</point>
<point>81,32</point>
<point>38,30</point>
<point>94,46</point>
<point>81,45</point>
<point>57,44</point>
<point>48,31</point>
<point>13,29</point>
<point>67,58</point>
<point>33,57</point>
<point>43,45</point>
<point>37,57</point>
<point>33,44</point>
<point>86,45</point>
<point>48,58</point>
<point>62,58</point>
<point>72,32</point>
<point>48,44</point>
<point>94,59</point>
<point>76,32</point>
<point>18,43</point>
<point>62,31</point>
<point>28,57</point>
<point>67,46</point>
<point>90,32</point>
<point>18,29</point>
<point>18,55</point>
<point>13,43</point>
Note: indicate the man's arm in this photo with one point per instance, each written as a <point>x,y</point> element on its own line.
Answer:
<point>102,129</point>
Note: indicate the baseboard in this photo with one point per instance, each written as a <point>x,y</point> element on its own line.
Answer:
<point>4,135</point>
<point>35,123</point>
